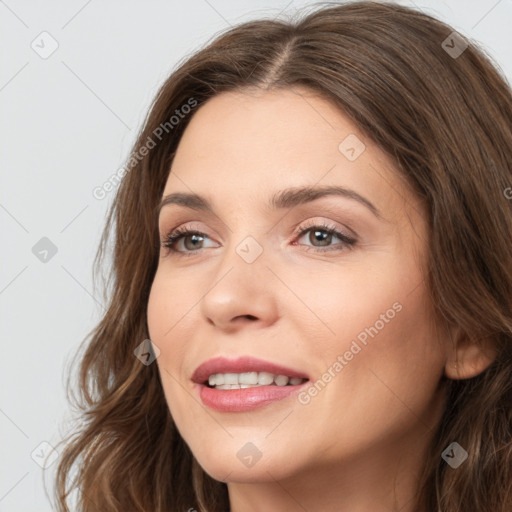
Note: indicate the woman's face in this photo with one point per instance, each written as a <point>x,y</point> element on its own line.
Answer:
<point>350,314</point>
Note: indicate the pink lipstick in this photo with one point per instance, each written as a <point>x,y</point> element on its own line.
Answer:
<point>245,383</point>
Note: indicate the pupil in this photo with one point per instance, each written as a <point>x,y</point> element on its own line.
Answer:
<point>196,238</point>
<point>323,237</point>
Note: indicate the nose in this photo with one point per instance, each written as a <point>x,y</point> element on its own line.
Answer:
<point>240,293</point>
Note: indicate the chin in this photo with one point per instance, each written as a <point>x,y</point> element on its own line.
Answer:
<point>244,467</point>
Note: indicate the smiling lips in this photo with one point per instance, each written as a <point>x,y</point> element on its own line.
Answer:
<point>236,385</point>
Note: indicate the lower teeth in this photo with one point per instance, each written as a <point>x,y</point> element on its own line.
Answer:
<point>244,386</point>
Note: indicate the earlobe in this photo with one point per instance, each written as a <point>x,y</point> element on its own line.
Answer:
<point>467,359</point>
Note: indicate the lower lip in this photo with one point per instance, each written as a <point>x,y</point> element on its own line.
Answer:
<point>247,399</point>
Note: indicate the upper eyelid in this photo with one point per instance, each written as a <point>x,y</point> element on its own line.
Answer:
<point>308,223</point>
<point>191,224</point>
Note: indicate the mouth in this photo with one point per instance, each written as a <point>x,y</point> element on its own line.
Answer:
<point>244,384</point>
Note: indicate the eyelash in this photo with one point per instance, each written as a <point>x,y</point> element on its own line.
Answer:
<point>173,237</point>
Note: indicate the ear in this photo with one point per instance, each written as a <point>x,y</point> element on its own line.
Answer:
<point>466,358</point>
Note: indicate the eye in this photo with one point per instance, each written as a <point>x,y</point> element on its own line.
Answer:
<point>173,239</point>
<point>323,235</point>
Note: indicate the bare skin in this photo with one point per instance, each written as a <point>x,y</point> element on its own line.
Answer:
<point>360,443</point>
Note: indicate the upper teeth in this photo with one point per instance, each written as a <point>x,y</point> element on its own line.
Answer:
<point>250,379</point>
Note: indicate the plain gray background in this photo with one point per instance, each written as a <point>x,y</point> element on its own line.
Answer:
<point>67,122</point>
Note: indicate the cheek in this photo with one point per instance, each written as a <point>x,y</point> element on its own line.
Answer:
<point>158,303</point>
<point>163,314</point>
<point>379,323</point>
<point>169,305</point>
<point>399,365</point>
<point>170,324</point>
<point>341,304</point>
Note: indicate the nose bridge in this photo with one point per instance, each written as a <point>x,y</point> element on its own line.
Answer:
<point>239,285</point>
<point>243,263</point>
<point>246,238</point>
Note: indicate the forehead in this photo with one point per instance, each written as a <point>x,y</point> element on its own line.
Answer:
<point>277,125</point>
<point>244,146</point>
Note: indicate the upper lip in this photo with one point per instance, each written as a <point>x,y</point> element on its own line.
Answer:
<point>241,365</point>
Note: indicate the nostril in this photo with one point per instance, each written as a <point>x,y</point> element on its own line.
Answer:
<point>248,317</point>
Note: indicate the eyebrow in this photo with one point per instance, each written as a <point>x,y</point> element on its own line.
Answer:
<point>287,198</point>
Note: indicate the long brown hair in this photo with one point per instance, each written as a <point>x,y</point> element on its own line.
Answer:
<point>443,112</point>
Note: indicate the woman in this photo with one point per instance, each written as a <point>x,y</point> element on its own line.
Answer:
<point>311,286</point>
